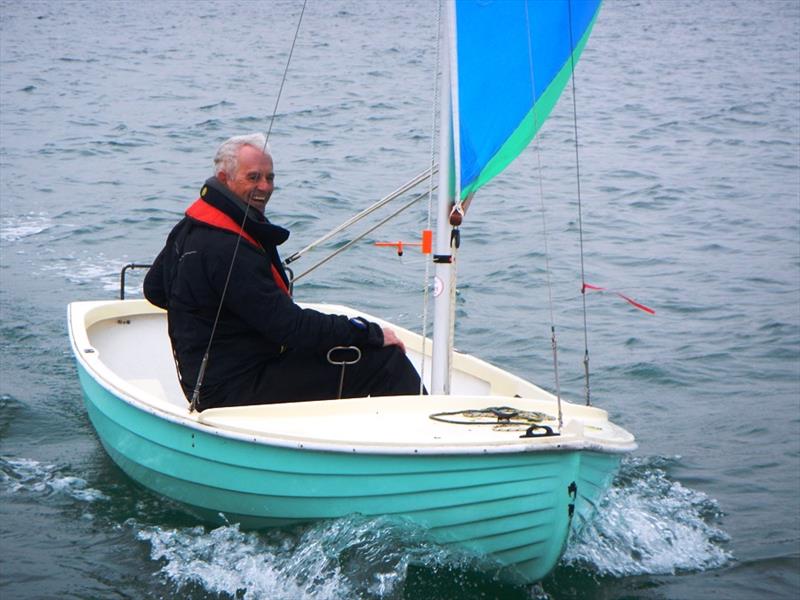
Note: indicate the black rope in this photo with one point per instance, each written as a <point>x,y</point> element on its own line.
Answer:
<point>285,71</point>
<point>553,339</point>
<point>580,207</point>
<point>201,374</point>
<point>502,415</point>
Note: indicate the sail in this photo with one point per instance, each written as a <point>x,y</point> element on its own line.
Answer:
<point>513,59</point>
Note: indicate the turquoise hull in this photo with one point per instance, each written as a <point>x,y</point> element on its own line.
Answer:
<point>517,508</point>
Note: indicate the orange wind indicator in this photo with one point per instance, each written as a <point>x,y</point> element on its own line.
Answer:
<point>426,245</point>
<point>631,301</point>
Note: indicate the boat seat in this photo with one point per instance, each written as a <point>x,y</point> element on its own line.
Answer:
<point>155,388</point>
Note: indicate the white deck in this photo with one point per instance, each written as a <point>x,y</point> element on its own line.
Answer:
<point>124,345</point>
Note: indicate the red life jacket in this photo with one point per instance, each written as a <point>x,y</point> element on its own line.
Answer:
<point>205,213</point>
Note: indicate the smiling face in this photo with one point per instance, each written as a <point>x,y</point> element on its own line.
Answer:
<point>253,180</point>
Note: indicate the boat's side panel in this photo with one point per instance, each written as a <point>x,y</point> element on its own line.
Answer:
<point>596,472</point>
<point>514,507</point>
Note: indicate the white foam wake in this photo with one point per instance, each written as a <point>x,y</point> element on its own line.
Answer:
<point>13,229</point>
<point>89,270</point>
<point>352,557</point>
<point>23,475</point>
<point>648,524</point>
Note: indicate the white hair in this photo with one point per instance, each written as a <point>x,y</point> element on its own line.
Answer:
<point>226,158</point>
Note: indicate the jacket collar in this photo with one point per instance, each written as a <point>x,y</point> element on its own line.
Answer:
<point>218,195</point>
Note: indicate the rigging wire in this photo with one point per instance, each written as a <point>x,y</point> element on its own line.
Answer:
<point>358,238</point>
<point>537,146</point>
<point>204,364</point>
<point>580,208</point>
<point>427,282</point>
<point>412,183</point>
<point>283,79</point>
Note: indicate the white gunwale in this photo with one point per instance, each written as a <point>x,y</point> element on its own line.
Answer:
<point>380,425</point>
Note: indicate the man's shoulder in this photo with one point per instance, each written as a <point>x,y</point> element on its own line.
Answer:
<point>213,240</point>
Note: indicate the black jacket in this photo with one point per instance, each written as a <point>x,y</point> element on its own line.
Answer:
<point>258,319</point>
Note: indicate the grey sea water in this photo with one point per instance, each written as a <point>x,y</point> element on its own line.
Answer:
<point>688,119</point>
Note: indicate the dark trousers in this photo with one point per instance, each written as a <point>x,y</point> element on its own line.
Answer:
<point>301,376</point>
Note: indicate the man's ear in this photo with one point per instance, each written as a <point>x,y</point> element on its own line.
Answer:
<point>222,176</point>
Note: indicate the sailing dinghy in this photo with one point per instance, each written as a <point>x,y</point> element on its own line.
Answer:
<point>488,462</point>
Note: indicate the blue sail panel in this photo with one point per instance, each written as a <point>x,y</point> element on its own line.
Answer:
<point>513,59</point>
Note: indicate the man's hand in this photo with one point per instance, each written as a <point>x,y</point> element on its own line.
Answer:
<point>390,339</point>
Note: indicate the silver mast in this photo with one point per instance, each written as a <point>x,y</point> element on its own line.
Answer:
<point>444,273</point>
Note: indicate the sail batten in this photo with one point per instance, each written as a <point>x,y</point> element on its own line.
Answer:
<point>513,60</point>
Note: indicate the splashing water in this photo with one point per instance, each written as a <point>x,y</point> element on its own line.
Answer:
<point>23,475</point>
<point>353,557</point>
<point>13,229</point>
<point>649,525</point>
<point>98,269</point>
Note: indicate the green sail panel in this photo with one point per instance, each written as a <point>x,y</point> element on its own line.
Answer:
<point>514,59</point>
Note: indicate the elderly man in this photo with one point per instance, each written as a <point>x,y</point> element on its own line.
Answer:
<point>265,348</point>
